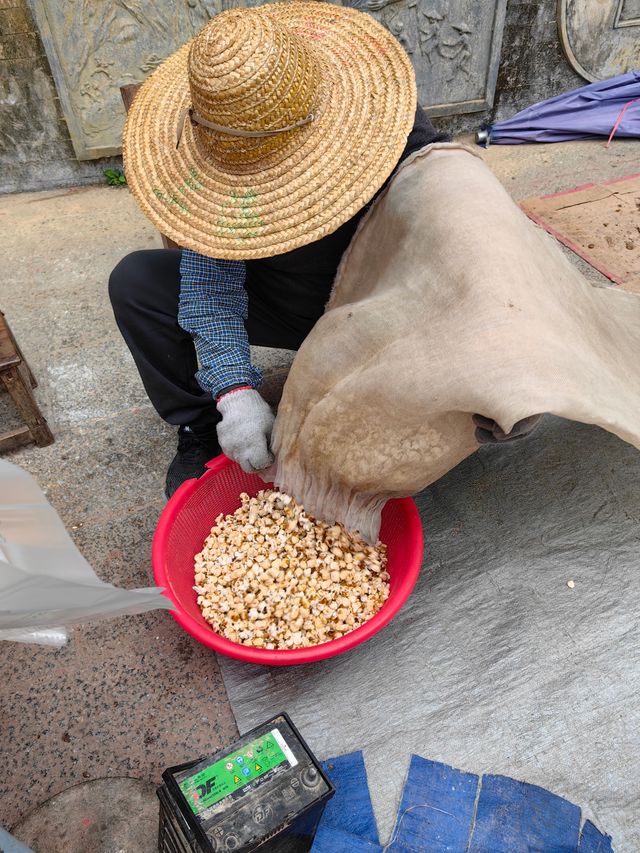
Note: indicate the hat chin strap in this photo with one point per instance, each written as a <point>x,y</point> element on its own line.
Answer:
<point>195,118</point>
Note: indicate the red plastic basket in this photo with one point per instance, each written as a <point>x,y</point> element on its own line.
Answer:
<point>187,520</point>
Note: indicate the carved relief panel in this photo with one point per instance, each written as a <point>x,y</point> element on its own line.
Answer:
<point>454,45</point>
<point>96,46</point>
<point>455,48</point>
<point>600,39</point>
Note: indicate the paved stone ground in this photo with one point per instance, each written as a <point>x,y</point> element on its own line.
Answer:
<point>133,695</point>
<point>130,696</point>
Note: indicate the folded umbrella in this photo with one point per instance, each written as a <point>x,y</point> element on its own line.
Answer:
<point>595,110</point>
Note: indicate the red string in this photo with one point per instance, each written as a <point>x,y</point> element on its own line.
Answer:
<point>234,391</point>
<point>620,117</point>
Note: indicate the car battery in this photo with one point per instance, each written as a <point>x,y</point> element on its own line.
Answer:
<point>265,792</point>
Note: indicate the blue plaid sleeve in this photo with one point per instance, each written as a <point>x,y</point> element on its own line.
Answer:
<point>213,308</point>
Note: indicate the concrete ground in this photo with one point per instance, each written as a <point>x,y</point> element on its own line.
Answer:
<point>134,695</point>
<point>131,696</point>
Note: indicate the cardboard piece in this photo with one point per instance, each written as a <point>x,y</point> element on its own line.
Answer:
<point>600,222</point>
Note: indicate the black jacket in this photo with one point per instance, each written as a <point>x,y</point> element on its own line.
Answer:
<point>294,288</point>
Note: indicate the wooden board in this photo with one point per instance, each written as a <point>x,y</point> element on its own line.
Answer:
<point>600,222</point>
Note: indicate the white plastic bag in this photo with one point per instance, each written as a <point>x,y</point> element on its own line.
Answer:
<point>45,582</point>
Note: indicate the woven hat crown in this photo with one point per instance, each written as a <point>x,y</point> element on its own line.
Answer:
<point>270,129</point>
<point>250,72</point>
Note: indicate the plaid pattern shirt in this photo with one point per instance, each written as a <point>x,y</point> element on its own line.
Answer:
<point>213,307</point>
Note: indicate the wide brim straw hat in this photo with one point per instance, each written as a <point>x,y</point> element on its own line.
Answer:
<point>269,129</point>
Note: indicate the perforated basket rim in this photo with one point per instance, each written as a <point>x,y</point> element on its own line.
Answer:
<point>281,657</point>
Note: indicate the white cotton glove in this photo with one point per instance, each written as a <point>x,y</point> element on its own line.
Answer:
<point>244,433</point>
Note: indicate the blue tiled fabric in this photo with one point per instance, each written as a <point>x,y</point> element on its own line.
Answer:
<point>331,840</point>
<point>520,817</point>
<point>213,308</point>
<point>350,807</point>
<point>9,844</point>
<point>444,809</point>
<point>436,811</point>
<point>594,841</point>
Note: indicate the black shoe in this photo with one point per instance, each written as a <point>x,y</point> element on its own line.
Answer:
<point>195,448</point>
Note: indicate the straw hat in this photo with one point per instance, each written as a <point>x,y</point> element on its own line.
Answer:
<point>290,116</point>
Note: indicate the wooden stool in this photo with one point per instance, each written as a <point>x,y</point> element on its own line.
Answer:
<point>18,380</point>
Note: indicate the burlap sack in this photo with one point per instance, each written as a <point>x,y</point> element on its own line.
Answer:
<point>448,302</point>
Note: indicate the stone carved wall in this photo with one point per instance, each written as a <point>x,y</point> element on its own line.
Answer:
<point>627,13</point>
<point>600,39</point>
<point>96,46</point>
<point>454,45</point>
<point>36,151</point>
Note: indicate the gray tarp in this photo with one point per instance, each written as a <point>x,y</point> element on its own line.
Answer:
<point>495,665</point>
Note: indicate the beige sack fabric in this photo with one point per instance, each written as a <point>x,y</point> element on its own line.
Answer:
<point>448,302</point>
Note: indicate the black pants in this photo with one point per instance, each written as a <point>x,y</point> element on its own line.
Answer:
<point>144,290</point>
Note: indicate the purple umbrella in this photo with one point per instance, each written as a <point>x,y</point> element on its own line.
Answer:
<point>600,109</point>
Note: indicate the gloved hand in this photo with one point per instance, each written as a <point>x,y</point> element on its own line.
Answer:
<point>488,431</point>
<point>244,432</point>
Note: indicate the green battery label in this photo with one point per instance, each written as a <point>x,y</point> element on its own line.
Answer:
<point>236,770</point>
